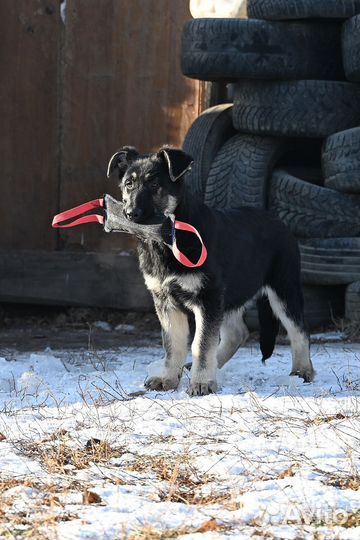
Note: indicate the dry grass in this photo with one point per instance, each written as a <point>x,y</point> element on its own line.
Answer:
<point>344,519</point>
<point>350,329</point>
<point>148,532</point>
<point>352,520</point>
<point>45,509</point>
<point>185,483</point>
<point>153,533</point>
<point>12,482</point>
<point>290,471</point>
<point>323,419</point>
<point>48,490</point>
<point>41,516</point>
<point>42,526</point>
<point>344,482</point>
<point>61,457</point>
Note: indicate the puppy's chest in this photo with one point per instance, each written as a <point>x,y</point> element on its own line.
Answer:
<point>166,284</point>
<point>174,287</point>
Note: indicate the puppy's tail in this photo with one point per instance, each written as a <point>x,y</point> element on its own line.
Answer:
<point>269,327</point>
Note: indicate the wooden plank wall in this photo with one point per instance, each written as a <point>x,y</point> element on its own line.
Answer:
<point>122,85</point>
<point>71,94</point>
<point>73,279</point>
<point>29,150</point>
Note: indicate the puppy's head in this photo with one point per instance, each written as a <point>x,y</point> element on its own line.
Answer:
<point>150,184</point>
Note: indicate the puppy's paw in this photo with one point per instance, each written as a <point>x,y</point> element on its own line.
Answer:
<point>162,383</point>
<point>202,389</point>
<point>307,374</point>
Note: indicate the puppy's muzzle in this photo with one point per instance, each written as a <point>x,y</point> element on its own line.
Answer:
<point>134,214</point>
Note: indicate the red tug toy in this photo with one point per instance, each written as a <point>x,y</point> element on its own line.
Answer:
<point>114,220</point>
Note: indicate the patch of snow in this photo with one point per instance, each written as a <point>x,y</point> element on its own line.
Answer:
<point>265,454</point>
<point>103,325</point>
<point>125,328</point>
<point>327,337</point>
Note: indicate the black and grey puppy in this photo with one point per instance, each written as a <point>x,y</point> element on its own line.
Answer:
<point>250,254</point>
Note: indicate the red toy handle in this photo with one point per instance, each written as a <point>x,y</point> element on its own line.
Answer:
<point>182,226</point>
<point>59,219</point>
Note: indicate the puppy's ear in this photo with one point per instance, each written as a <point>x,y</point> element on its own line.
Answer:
<point>121,159</point>
<point>177,161</point>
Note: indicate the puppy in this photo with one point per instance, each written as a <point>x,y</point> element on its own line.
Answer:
<point>250,254</point>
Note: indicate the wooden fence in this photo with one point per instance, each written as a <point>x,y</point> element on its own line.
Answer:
<point>71,92</point>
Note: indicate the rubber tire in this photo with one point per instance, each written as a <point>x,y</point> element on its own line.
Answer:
<point>351,48</point>
<point>301,9</point>
<point>321,306</point>
<point>313,175</point>
<point>312,211</point>
<point>296,108</point>
<point>203,140</point>
<point>331,261</point>
<point>352,302</point>
<point>341,161</point>
<point>240,171</point>
<point>302,152</point>
<point>230,49</point>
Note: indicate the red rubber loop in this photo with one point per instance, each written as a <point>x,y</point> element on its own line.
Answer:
<point>182,226</point>
<point>78,211</point>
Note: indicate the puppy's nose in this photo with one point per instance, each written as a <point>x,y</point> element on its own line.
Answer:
<point>134,214</point>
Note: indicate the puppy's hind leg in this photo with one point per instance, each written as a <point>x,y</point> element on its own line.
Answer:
<point>288,307</point>
<point>233,333</point>
<point>175,330</point>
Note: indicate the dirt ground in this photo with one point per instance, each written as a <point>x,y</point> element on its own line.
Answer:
<point>35,328</point>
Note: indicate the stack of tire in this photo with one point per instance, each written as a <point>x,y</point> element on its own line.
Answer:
<point>289,138</point>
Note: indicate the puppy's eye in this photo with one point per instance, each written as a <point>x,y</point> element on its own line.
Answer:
<point>129,183</point>
<point>154,184</point>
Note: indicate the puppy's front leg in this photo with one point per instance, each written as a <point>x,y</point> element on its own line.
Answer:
<point>175,331</point>
<point>204,347</point>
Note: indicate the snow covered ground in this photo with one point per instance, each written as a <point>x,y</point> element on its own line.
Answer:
<point>86,453</point>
